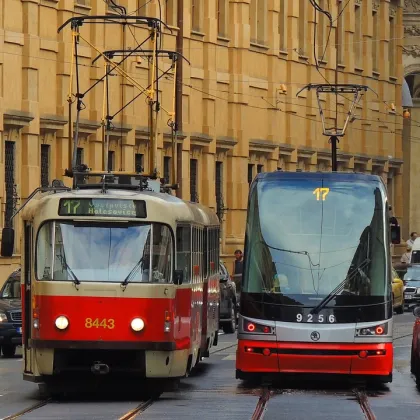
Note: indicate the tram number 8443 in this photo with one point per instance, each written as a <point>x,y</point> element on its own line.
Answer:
<point>96,323</point>
<point>319,318</point>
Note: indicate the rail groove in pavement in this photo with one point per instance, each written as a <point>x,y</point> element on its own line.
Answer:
<point>27,410</point>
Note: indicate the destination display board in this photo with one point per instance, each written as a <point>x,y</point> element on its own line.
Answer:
<point>102,207</point>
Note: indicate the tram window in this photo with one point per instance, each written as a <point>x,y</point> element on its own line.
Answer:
<point>44,253</point>
<point>210,251</point>
<point>202,275</point>
<point>213,266</point>
<point>104,253</point>
<point>194,251</point>
<point>217,248</point>
<point>161,257</point>
<point>183,251</point>
<point>205,253</point>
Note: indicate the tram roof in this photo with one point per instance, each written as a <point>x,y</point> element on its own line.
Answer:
<point>172,208</point>
<point>333,176</point>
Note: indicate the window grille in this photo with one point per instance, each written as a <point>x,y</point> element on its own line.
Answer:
<point>167,169</point>
<point>9,176</point>
<point>138,162</point>
<point>79,157</point>
<point>250,173</point>
<point>45,165</point>
<point>219,189</point>
<point>111,156</point>
<point>193,180</point>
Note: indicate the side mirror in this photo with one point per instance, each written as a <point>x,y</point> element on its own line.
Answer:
<point>395,234</point>
<point>7,241</point>
<point>416,311</point>
<point>178,277</point>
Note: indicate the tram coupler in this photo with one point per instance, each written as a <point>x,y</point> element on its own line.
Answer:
<point>99,368</point>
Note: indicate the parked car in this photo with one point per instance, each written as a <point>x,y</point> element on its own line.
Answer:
<point>228,309</point>
<point>397,293</point>
<point>412,286</point>
<point>10,315</point>
<point>415,346</point>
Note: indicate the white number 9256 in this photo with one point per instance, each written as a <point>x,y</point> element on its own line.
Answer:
<point>315,318</point>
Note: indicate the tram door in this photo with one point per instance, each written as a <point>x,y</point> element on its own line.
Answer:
<point>27,295</point>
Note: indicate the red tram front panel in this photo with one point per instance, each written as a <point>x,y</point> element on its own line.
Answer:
<point>278,347</point>
<point>108,319</point>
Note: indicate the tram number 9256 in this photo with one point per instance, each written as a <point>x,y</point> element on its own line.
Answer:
<point>316,318</point>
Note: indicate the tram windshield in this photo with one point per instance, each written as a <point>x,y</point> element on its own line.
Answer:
<point>111,252</point>
<point>307,239</point>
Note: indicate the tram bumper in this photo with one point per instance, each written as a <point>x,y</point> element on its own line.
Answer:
<point>269,357</point>
<point>55,358</point>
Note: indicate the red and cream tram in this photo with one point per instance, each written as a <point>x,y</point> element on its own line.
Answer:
<point>116,279</point>
<point>316,295</point>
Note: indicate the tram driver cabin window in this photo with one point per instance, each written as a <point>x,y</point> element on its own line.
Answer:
<point>183,251</point>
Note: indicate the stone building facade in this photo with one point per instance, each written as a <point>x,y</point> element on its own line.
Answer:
<point>241,114</point>
<point>411,136</point>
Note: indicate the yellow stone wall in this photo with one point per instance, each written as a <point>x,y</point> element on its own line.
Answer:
<point>248,60</point>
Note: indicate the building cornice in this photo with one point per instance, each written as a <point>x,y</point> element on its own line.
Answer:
<point>87,127</point>
<point>259,145</point>
<point>52,123</point>
<point>200,139</point>
<point>225,143</point>
<point>17,119</point>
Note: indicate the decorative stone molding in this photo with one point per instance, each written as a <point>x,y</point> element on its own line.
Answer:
<point>412,50</point>
<point>412,30</point>
<point>17,119</point>
<point>411,6</point>
<point>200,139</point>
<point>87,127</point>
<point>225,143</point>
<point>286,149</point>
<point>262,146</point>
<point>118,131</point>
<point>52,123</point>
<point>393,10</point>
<point>305,152</point>
<point>142,134</point>
<point>358,2</point>
<point>167,136</point>
<point>375,5</point>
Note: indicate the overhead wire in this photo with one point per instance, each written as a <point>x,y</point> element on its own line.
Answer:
<point>280,102</point>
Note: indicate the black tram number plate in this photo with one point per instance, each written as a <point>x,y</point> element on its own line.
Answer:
<point>324,317</point>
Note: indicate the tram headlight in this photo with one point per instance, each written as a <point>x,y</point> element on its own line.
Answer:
<point>374,331</point>
<point>137,324</point>
<point>62,322</point>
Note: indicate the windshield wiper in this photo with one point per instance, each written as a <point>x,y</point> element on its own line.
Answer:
<point>321,305</point>
<point>133,272</point>
<point>76,281</point>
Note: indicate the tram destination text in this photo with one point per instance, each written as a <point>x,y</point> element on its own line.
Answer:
<point>102,207</point>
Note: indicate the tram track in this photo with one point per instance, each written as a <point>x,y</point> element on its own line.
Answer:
<point>141,408</point>
<point>360,396</point>
<point>261,404</point>
<point>362,399</point>
<point>27,410</point>
<point>130,415</point>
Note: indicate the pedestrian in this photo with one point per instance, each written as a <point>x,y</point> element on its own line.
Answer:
<point>238,265</point>
<point>413,236</point>
<point>406,257</point>
<point>392,219</point>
